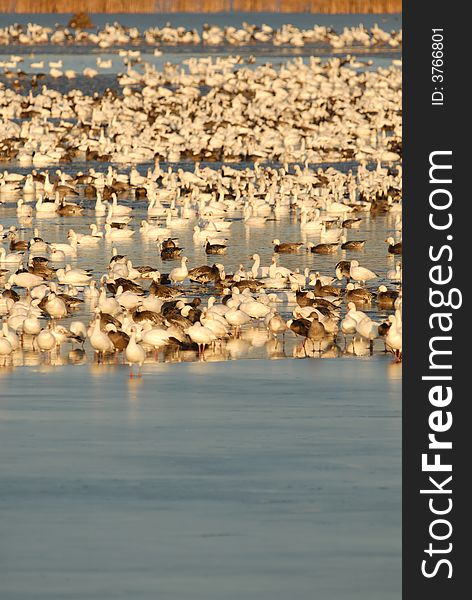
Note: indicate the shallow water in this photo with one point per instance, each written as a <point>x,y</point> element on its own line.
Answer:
<point>263,480</point>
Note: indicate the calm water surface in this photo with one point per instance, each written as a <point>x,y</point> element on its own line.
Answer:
<point>263,480</point>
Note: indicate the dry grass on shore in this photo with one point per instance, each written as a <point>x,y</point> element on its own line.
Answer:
<point>206,6</point>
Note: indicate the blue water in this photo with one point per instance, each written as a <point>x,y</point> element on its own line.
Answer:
<point>262,480</point>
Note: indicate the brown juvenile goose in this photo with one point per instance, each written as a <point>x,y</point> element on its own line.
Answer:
<point>119,338</point>
<point>215,248</point>
<point>316,332</point>
<point>168,243</point>
<point>299,326</point>
<point>351,223</point>
<point>163,291</point>
<point>18,245</point>
<point>343,269</point>
<point>386,298</point>
<point>322,248</point>
<point>325,290</point>
<point>148,316</point>
<point>171,253</point>
<point>126,284</point>
<point>286,247</point>
<point>69,210</point>
<point>358,295</point>
<point>204,274</point>
<point>351,244</point>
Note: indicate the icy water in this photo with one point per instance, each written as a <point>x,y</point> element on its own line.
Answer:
<point>265,480</point>
<point>252,479</point>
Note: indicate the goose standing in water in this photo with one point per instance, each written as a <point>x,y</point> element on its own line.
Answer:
<point>393,339</point>
<point>134,354</point>
<point>179,274</point>
<point>100,341</point>
<point>202,336</point>
<point>361,274</point>
<point>316,332</point>
<point>6,349</point>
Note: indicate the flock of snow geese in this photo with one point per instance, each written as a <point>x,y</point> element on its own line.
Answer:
<point>115,34</point>
<point>193,124</point>
<point>139,310</point>
<point>209,109</point>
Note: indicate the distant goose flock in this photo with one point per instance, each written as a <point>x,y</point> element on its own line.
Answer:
<point>134,256</point>
<point>113,35</point>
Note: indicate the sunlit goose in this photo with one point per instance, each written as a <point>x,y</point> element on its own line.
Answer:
<point>91,292</point>
<point>113,234</point>
<point>394,336</point>
<point>214,308</point>
<point>31,324</point>
<point>237,318</point>
<point>179,274</point>
<point>6,349</point>
<point>276,323</point>
<point>155,208</point>
<point>45,340</point>
<point>355,293</point>
<point>251,219</point>
<point>108,305</point>
<point>156,338</point>
<point>56,255</point>
<point>73,276</point>
<point>216,323</point>
<point>22,209</point>
<point>43,207</point>
<point>256,310</point>
<point>264,271</point>
<point>134,354</point>
<point>100,206</point>
<point>324,279</point>
<point>118,209</point>
<point>79,331</point>
<point>200,335</point>
<point>99,340</point>
<point>396,273</point>
<point>10,335</point>
<point>287,247</point>
<point>368,329</point>
<point>351,244</point>
<point>25,280</point>
<point>68,249</point>
<point>154,232</point>
<point>128,299</point>
<point>310,224</point>
<point>361,274</point>
<point>10,259</point>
